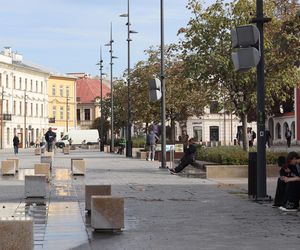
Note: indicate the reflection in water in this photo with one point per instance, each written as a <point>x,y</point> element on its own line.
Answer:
<point>62,174</point>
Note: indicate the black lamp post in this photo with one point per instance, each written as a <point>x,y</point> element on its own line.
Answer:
<point>101,102</point>
<point>111,89</point>
<point>129,115</point>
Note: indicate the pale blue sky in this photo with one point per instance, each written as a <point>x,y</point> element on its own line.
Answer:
<point>65,35</point>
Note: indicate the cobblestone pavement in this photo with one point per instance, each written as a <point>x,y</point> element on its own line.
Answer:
<point>162,211</point>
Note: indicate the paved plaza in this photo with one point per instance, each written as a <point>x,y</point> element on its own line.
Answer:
<point>162,211</point>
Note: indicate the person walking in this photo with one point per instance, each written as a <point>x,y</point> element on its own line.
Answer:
<point>151,144</point>
<point>50,138</point>
<point>188,157</point>
<point>16,143</point>
<point>268,138</point>
<point>288,136</point>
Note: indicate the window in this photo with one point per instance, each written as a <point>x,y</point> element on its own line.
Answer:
<point>53,111</point>
<point>36,110</point>
<point>214,107</point>
<point>20,83</point>
<point>42,110</point>
<point>87,115</point>
<point>278,130</point>
<point>61,90</point>
<point>197,133</point>
<point>67,91</point>
<point>42,87</point>
<point>6,81</point>
<point>78,115</point>
<point>68,113</point>
<point>8,136</point>
<point>214,133</point>
<point>15,108</point>
<point>36,86</point>
<point>0,79</point>
<point>31,109</point>
<point>53,90</point>
<point>20,108</point>
<point>31,85</point>
<point>14,83</point>
<point>61,113</point>
<point>25,83</point>
<point>6,104</point>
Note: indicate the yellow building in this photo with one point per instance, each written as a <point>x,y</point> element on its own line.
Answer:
<point>62,104</point>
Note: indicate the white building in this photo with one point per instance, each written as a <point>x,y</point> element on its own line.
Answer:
<point>24,100</point>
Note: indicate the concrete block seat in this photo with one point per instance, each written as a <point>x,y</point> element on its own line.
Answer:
<point>37,151</point>
<point>66,150</point>
<point>95,190</point>
<point>16,162</point>
<point>35,186</point>
<point>141,155</point>
<point>43,169</point>
<point>8,167</point>
<point>47,159</point>
<point>107,212</point>
<point>16,233</point>
<point>77,166</point>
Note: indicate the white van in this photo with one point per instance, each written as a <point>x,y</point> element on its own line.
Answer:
<point>79,137</point>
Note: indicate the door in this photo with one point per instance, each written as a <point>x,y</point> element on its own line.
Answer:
<point>20,135</point>
<point>214,133</point>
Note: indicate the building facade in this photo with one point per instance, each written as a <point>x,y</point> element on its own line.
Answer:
<point>88,100</point>
<point>62,104</point>
<point>24,100</point>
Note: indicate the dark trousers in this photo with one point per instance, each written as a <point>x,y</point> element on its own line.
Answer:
<point>280,192</point>
<point>288,141</point>
<point>49,146</point>
<point>183,163</point>
<point>292,194</point>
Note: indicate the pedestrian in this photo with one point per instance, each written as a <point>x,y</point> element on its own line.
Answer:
<point>151,145</point>
<point>37,143</point>
<point>292,189</point>
<point>251,137</point>
<point>16,143</point>
<point>288,136</point>
<point>188,158</point>
<point>70,141</point>
<point>268,138</point>
<point>239,137</point>
<point>50,138</point>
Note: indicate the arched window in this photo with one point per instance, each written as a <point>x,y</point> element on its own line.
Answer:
<point>278,131</point>
<point>293,130</point>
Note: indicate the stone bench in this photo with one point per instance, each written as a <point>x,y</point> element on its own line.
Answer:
<point>37,151</point>
<point>106,149</point>
<point>66,150</point>
<point>235,171</point>
<point>95,190</point>
<point>16,233</point>
<point>47,159</point>
<point>141,155</point>
<point>107,212</point>
<point>42,168</point>
<point>77,166</point>
<point>16,162</point>
<point>8,167</point>
<point>35,186</point>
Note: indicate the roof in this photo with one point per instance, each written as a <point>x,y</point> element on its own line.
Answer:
<point>88,89</point>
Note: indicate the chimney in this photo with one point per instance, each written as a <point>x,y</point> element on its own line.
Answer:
<point>7,51</point>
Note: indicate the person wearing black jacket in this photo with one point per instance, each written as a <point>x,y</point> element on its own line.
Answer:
<point>50,138</point>
<point>188,157</point>
<point>16,143</point>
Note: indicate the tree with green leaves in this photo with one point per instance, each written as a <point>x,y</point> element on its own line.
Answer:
<point>206,48</point>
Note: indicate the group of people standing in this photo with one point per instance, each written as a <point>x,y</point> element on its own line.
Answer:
<point>50,138</point>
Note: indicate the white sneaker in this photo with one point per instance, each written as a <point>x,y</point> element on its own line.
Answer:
<point>288,209</point>
<point>148,159</point>
<point>152,160</point>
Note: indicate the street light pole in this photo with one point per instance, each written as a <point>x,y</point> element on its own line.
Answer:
<point>25,114</point>
<point>129,114</point>
<point>163,89</point>
<point>101,101</point>
<point>110,44</point>
<point>261,140</point>
<point>67,114</point>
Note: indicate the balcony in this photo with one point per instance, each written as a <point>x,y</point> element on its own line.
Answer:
<point>6,117</point>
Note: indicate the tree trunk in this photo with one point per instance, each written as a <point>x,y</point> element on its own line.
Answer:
<point>245,136</point>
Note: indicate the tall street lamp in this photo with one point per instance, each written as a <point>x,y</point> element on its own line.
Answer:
<point>163,89</point>
<point>110,44</point>
<point>100,64</point>
<point>67,113</point>
<point>129,115</point>
<point>1,133</point>
<point>25,116</point>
